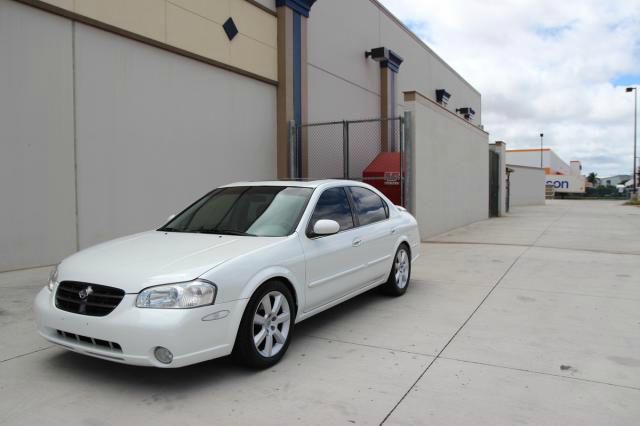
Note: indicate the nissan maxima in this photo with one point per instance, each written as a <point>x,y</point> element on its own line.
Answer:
<point>232,273</point>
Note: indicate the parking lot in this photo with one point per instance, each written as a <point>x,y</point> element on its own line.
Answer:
<point>532,318</point>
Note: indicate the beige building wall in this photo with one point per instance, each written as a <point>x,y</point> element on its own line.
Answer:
<point>103,135</point>
<point>37,186</point>
<point>156,131</point>
<point>195,26</point>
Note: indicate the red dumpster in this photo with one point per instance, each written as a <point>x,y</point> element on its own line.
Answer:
<point>384,174</point>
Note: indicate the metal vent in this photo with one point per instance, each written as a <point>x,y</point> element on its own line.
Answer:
<point>97,343</point>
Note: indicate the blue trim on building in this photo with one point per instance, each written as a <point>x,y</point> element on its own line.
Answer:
<point>297,67</point>
<point>297,83</point>
<point>301,7</point>
<point>394,61</point>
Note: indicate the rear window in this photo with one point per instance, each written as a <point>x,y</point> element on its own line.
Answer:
<point>370,208</point>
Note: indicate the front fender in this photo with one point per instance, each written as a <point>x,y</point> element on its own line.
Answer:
<point>275,272</point>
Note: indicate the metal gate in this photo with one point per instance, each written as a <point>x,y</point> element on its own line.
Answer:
<point>344,149</point>
<point>494,184</point>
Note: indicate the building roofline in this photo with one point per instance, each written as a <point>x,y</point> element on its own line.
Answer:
<point>394,18</point>
<point>528,150</point>
<point>526,167</point>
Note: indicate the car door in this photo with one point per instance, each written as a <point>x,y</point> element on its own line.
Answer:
<point>377,234</point>
<point>331,264</point>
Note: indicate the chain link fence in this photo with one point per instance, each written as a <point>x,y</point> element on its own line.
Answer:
<point>344,149</point>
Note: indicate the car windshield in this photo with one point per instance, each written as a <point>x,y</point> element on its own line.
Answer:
<point>262,211</point>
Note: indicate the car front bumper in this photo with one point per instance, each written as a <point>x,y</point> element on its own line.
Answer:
<point>130,335</point>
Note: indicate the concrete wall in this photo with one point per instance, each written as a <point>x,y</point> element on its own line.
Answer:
<point>37,189</point>
<point>345,85</point>
<point>450,169</point>
<point>195,26</point>
<point>526,186</point>
<point>140,132</point>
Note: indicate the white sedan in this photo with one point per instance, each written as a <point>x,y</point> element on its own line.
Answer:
<point>232,273</point>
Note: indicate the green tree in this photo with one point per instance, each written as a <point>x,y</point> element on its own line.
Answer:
<point>593,177</point>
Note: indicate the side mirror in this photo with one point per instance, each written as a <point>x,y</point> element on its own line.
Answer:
<point>326,227</point>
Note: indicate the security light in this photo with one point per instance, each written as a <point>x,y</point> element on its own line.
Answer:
<point>378,54</point>
<point>630,89</point>
<point>467,112</point>
<point>442,96</point>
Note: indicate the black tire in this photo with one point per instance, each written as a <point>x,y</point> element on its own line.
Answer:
<point>392,287</point>
<point>245,350</point>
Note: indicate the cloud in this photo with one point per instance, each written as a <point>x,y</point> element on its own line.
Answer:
<point>543,66</point>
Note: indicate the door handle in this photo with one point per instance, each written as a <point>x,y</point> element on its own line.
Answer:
<point>357,242</point>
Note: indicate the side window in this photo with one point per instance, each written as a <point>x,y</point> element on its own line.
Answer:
<point>333,204</point>
<point>369,206</point>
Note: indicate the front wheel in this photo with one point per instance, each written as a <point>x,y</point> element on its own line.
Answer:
<point>400,274</point>
<point>266,326</point>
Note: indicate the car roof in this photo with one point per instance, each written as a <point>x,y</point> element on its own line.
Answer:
<point>297,183</point>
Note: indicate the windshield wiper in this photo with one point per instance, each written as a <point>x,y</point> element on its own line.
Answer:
<point>170,229</point>
<point>224,232</point>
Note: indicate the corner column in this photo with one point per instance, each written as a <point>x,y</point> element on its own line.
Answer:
<point>292,83</point>
<point>388,99</point>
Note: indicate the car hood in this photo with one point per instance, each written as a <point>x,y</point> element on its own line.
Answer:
<point>154,257</point>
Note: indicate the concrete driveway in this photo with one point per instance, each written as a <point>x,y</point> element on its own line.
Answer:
<point>533,318</point>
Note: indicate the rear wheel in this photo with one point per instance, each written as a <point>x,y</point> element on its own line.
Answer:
<point>400,274</point>
<point>266,326</point>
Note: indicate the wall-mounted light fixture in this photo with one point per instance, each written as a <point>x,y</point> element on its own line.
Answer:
<point>442,97</point>
<point>378,54</point>
<point>467,112</point>
<point>387,58</point>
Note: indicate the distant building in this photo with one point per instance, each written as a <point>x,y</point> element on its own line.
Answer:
<point>562,176</point>
<point>614,180</point>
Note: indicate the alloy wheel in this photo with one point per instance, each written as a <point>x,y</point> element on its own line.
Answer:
<point>402,268</point>
<point>271,324</point>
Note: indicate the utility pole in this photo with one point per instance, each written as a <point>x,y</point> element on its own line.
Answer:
<point>541,136</point>
<point>634,191</point>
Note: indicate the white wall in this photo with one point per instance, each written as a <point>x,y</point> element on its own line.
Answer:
<point>526,186</point>
<point>37,190</point>
<point>343,85</point>
<point>156,131</point>
<point>451,170</point>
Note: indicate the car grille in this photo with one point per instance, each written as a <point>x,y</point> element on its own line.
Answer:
<point>97,343</point>
<point>87,299</point>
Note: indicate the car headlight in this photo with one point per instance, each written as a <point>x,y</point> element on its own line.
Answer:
<point>178,296</point>
<point>53,278</point>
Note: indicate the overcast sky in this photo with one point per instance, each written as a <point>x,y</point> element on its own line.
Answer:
<point>552,66</point>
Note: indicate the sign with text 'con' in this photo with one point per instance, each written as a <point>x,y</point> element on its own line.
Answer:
<point>566,183</point>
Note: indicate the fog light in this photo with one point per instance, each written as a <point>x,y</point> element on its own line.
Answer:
<point>163,355</point>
